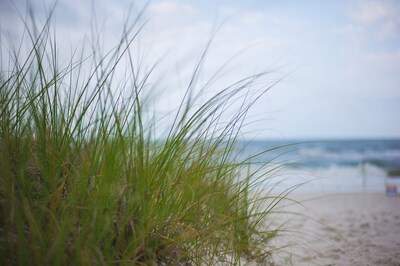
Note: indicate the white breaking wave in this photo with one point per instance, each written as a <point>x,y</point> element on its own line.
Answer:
<point>351,155</point>
<point>336,179</point>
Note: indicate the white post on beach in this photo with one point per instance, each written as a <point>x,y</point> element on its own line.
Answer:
<point>364,176</point>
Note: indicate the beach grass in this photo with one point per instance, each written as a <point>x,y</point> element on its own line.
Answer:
<point>84,179</point>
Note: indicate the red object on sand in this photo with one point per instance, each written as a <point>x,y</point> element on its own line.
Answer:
<point>391,190</point>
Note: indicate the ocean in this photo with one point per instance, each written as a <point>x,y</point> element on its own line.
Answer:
<point>329,165</point>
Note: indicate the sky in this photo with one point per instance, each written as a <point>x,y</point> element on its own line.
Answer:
<point>339,60</point>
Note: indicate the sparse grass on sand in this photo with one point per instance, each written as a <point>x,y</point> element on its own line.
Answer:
<point>85,180</point>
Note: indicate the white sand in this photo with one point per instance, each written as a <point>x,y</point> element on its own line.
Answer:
<point>342,229</point>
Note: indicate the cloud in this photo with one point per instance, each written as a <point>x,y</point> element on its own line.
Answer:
<point>370,12</point>
<point>370,48</point>
<point>170,9</point>
<point>372,20</point>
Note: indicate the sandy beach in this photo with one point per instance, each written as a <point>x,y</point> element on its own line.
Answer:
<point>341,229</point>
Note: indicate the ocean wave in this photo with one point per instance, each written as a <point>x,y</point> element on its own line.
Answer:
<point>353,155</point>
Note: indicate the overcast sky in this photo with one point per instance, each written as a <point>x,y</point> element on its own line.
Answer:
<point>342,57</point>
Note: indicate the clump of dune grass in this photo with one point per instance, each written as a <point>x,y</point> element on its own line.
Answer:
<point>85,180</point>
